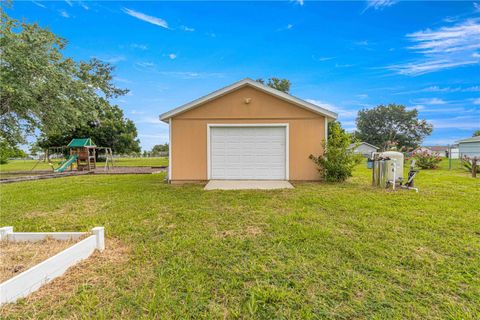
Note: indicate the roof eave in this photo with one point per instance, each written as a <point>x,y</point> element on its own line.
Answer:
<point>247,81</point>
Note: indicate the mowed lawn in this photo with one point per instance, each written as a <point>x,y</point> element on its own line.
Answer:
<point>335,251</point>
<point>28,165</point>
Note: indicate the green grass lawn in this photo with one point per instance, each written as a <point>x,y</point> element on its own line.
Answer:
<point>335,251</point>
<point>27,165</point>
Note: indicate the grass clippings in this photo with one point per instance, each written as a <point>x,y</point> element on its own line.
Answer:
<point>17,257</point>
<point>96,272</point>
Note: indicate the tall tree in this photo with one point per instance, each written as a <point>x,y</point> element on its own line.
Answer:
<point>109,129</point>
<point>476,133</point>
<point>391,125</point>
<point>160,148</point>
<point>43,90</point>
<point>277,83</point>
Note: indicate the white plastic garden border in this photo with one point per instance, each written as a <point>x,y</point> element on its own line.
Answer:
<point>32,279</point>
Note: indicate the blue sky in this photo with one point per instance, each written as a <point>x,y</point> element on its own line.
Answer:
<point>344,56</point>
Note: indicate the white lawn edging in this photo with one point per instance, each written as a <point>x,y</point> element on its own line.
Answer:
<point>32,279</point>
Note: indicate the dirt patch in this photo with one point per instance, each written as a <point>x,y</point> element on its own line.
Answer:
<point>99,271</point>
<point>17,257</point>
<point>129,170</point>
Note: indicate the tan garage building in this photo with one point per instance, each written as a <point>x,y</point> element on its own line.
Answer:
<point>246,131</point>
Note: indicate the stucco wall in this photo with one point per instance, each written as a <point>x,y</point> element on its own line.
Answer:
<point>189,132</point>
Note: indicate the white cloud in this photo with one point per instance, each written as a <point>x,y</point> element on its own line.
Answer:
<point>152,68</point>
<point>379,4</point>
<point>139,46</point>
<point>39,4</point>
<point>363,43</point>
<point>64,13</point>
<point>443,48</point>
<point>343,113</point>
<point>150,19</point>
<point>122,80</point>
<point>172,56</point>
<point>145,64</point>
<point>299,2</point>
<point>192,74</point>
<point>438,89</point>
<point>345,65</point>
<point>83,5</point>
<point>287,27</point>
<point>460,123</point>
<point>443,89</point>
<point>154,136</point>
<point>188,29</point>
<point>69,3</point>
<point>476,101</point>
<point>322,59</point>
<point>149,120</point>
<point>113,59</point>
<point>431,101</point>
<point>362,96</point>
<point>476,7</point>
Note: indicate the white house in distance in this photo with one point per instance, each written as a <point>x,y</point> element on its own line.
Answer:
<point>364,148</point>
<point>469,147</point>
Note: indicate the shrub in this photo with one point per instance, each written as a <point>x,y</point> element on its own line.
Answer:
<point>337,161</point>
<point>467,164</point>
<point>426,160</point>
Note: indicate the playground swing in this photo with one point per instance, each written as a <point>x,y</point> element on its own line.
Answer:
<point>83,152</point>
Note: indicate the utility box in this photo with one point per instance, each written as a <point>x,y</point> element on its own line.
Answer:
<point>387,169</point>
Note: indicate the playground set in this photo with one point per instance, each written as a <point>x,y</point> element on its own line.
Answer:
<point>83,153</point>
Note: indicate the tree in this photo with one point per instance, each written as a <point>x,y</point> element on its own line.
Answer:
<point>7,151</point>
<point>391,125</point>
<point>338,160</point>
<point>43,90</point>
<point>109,129</point>
<point>277,83</point>
<point>160,148</point>
<point>476,133</point>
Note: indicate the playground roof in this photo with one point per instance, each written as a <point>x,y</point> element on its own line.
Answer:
<point>78,143</point>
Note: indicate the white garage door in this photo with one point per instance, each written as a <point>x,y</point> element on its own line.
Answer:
<point>247,153</point>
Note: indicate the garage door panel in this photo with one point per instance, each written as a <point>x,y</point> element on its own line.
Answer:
<point>247,152</point>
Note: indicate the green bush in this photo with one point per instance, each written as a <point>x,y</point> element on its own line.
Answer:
<point>337,161</point>
<point>426,160</point>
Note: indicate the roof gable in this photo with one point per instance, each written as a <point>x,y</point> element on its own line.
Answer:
<point>78,143</point>
<point>248,82</point>
<point>363,143</point>
<point>472,139</point>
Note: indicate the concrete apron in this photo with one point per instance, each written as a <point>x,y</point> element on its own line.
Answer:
<point>247,185</point>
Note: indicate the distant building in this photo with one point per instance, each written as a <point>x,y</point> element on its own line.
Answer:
<point>364,148</point>
<point>469,147</point>
<point>426,150</point>
<point>442,151</point>
<point>454,152</point>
